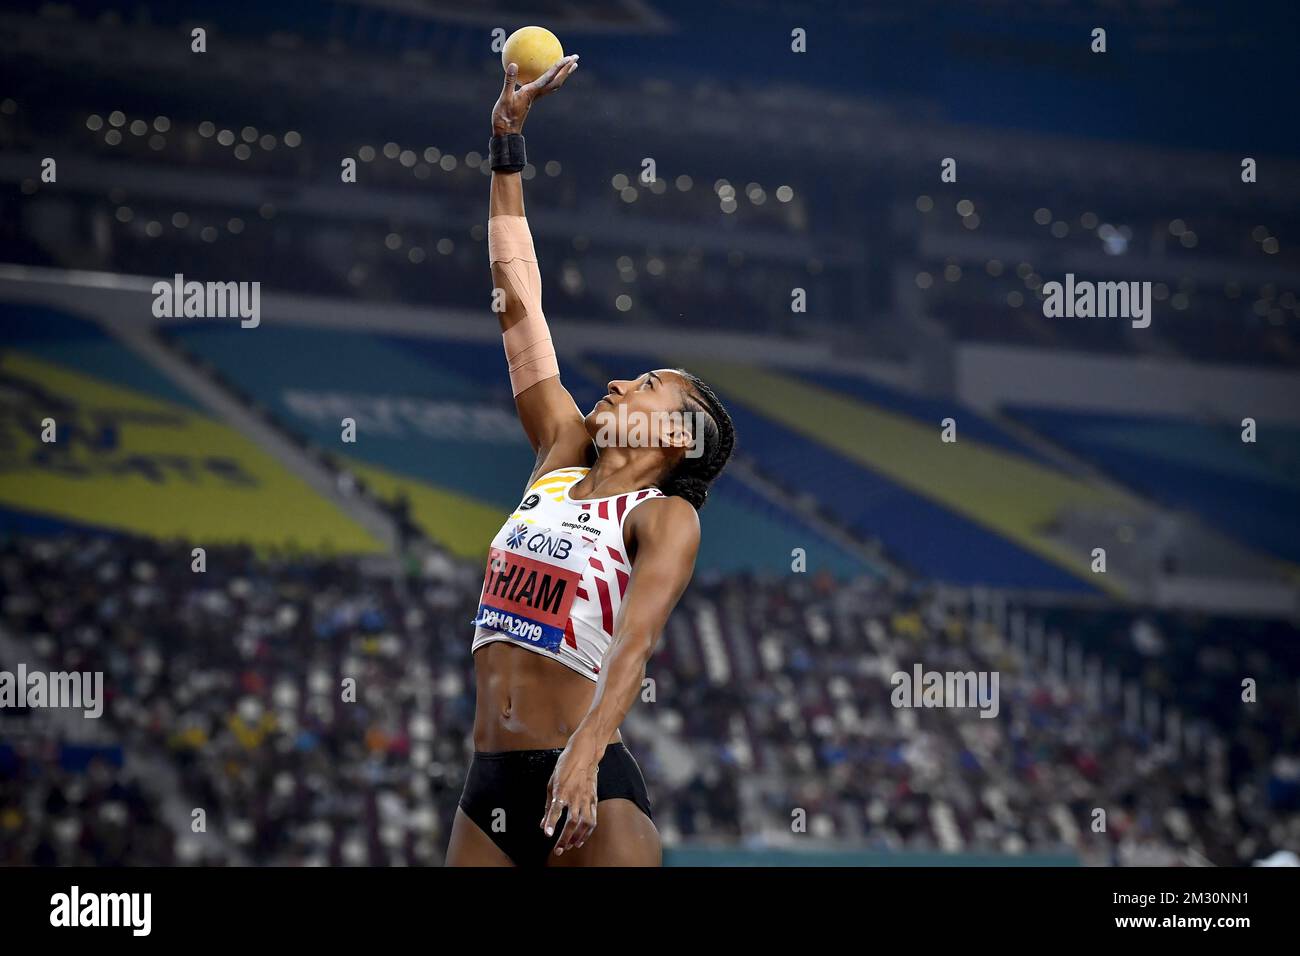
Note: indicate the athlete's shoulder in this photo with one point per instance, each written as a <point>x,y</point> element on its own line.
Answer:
<point>556,482</point>
<point>559,474</point>
<point>668,516</point>
<point>575,455</point>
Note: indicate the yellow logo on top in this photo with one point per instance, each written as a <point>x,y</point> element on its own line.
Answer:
<point>126,461</point>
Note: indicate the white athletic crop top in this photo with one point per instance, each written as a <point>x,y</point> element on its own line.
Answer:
<point>557,572</point>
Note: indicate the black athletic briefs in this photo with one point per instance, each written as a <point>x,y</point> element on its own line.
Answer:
<point>514,781</point>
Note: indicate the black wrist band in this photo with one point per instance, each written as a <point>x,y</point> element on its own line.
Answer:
<point>507,153</point>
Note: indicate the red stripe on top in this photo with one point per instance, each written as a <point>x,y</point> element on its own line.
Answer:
<point>620,506</point>
<point>642,494</point>
<point>580,592</point>
<point>568,634</point>
<point>595,563</point>
<point>603,510</point>
<point>606,608</point>
<point>622,583</point>
<point>615,555</point>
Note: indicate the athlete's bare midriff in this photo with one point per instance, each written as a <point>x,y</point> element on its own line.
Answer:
<point>526,702</point>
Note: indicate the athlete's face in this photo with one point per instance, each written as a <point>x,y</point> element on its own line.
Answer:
<point>646,411</point>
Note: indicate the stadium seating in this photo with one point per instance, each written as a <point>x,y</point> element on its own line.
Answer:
<point>1205,468</point>
<point>436,421</point>
<point>771,695</point>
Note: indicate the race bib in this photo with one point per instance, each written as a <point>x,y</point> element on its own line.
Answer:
<point>531,580</point>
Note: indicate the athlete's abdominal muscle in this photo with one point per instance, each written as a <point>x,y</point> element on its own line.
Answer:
<point>525,701</point>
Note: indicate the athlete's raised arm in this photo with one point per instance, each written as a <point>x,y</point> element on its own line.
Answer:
<point>550,417</point>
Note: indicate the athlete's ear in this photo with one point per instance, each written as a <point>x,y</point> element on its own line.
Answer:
<point>675,431</point>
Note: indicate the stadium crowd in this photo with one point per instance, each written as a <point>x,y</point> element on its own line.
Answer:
<point>321,713</point>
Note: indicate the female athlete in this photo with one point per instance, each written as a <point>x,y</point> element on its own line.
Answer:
<point>581,577</point>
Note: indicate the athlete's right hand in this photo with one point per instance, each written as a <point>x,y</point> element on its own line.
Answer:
<point>572,787</point>
<point>513,104</point>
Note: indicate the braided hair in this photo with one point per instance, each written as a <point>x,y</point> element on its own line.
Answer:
<point>692,476</point>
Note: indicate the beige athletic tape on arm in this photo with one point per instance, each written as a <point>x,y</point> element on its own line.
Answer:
<point>529,352</point>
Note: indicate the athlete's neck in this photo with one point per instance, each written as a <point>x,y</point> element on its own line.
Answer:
<point>617,471</point>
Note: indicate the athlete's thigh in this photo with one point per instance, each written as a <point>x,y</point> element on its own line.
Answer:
<point>470,846</point>
<point>624,836</point>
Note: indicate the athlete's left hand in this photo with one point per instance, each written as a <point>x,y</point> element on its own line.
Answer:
<point>572,787</point>
<point>515,101</point>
